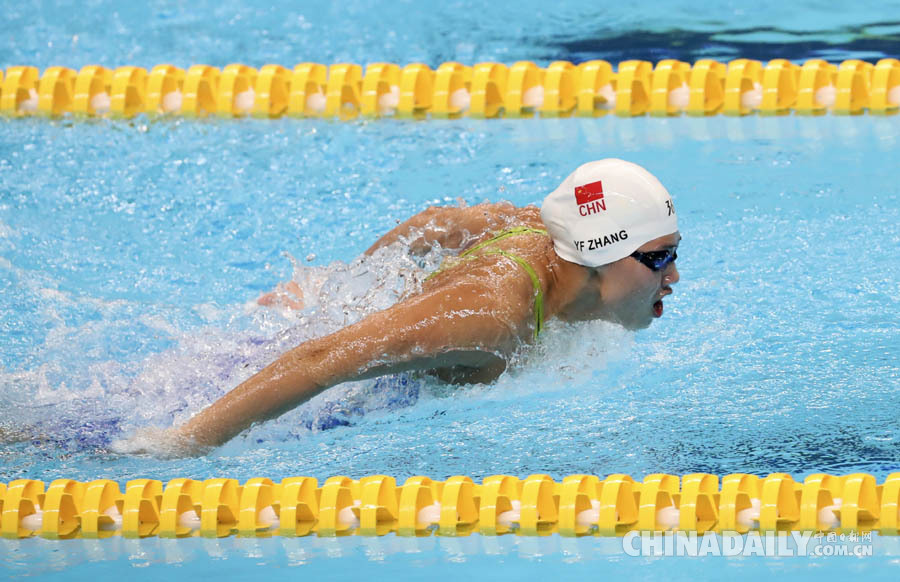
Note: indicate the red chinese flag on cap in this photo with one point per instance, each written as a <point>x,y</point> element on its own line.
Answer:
<point>589,192</point>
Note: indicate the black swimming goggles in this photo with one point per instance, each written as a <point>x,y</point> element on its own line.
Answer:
<point>656,260</point>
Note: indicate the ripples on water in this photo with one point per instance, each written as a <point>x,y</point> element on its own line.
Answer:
<point>135,307</point>
<point>361,31</point>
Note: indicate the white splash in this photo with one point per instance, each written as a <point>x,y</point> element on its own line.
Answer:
<point>80,399</point>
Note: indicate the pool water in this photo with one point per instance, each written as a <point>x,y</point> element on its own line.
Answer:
<point>131,255</point>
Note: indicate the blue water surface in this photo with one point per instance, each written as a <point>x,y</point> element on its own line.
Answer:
<point>74,34</point>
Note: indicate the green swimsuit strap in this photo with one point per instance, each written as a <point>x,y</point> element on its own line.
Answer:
<point>505,234</point>
<point>535,280</point>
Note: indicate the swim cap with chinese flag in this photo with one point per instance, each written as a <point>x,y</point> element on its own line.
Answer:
<point>605,210</point>
<point>590,193</point>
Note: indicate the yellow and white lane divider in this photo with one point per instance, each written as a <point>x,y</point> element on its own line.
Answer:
<point>485,90</point>
<point>579,505</point>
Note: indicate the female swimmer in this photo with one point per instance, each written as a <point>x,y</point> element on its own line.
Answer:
<point>602,246</point>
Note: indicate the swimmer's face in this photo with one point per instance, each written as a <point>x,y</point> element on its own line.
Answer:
<point>630,293</point>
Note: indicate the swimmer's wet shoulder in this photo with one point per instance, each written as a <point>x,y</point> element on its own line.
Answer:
<point>490,249</point>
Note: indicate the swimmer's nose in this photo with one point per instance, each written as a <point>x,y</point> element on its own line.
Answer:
<point>671,275</point>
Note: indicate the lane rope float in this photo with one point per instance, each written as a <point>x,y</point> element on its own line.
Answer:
<point>344,91</point>
<point>579,505</point>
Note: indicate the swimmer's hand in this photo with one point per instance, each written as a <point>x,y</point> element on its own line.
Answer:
<point>165,443</point>
<point>288,295</point>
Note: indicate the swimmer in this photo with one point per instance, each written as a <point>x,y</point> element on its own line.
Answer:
<point>602,246</point>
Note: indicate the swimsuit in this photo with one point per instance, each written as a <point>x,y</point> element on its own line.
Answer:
<point>535,281</point>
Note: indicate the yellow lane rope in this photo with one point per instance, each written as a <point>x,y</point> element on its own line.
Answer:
<point>579,505</point>
<point>485,90</point>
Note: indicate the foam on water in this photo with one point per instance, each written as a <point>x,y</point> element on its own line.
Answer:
<point>107,397</point>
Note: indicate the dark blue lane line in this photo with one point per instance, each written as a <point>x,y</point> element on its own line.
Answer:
<point>691,45</point>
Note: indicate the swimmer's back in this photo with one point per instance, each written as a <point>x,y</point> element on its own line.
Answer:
<point>514,231</point>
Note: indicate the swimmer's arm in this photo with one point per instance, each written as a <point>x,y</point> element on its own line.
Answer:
<point>456,326</point>
<point>445,225</point>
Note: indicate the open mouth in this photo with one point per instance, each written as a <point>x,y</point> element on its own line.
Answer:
<point>658,308</point>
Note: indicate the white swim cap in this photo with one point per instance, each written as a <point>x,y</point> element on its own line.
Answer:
<point>605,210</point>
